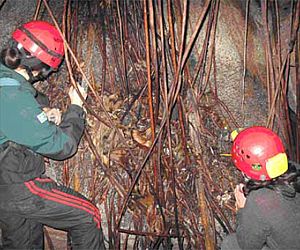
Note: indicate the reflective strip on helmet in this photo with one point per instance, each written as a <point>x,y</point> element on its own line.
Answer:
<point>19,46</point>
<point>234,133</point>
<point>277,165</point>
<point>40,44</point>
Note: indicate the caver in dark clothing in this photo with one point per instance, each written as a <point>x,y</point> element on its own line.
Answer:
<point>27,199</point>
<point>269,220</point>
<point>268,199</point>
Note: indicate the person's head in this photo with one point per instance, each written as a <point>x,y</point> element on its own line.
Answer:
<point>37,46</point>
<point>259,153</point>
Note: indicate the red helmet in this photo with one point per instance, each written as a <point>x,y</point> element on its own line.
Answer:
<point>259,153</point>
<point>42,40</point>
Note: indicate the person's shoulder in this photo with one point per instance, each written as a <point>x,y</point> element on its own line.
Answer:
<point>261,192</point>
<point>9,82</point>
<point>13,92</point>
<point>261,196</point>
<point>9,78</point>
<point>5,71</point>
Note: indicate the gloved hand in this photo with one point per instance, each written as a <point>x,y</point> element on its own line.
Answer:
<point>75,99</point>
<point>53,115</point>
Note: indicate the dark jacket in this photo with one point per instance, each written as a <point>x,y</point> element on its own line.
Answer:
<point>25,133</point>
<point>270,217</point>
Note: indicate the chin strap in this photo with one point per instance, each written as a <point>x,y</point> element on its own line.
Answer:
<point>40,77</point>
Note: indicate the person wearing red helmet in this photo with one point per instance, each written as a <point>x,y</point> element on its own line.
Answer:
<point>268,201</point>
<point>259,153</point>
<point>30,131</point>
<point>42,40</point>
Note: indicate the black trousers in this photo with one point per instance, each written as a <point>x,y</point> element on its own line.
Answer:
<point>42,202</point>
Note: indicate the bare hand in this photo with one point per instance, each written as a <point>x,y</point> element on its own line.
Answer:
<point>75,98</point>
<point>239,196</point>
<point>53,115</point>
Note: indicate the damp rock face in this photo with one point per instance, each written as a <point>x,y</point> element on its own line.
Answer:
<point>246,88</point>
<point>228,53</point>
<point>14,13</point>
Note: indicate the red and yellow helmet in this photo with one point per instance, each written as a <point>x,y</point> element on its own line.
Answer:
<point>259,153</point>
<point>42,40</point>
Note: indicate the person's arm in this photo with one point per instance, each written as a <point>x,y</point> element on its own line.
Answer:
<point>23,121</point>
<point>42,99</point>
<point>251,227</point>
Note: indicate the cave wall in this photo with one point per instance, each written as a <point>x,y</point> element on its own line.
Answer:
<point>229,50</point>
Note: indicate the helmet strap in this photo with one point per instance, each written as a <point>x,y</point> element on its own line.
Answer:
<point>246,178</point>
<point>40,77</point>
